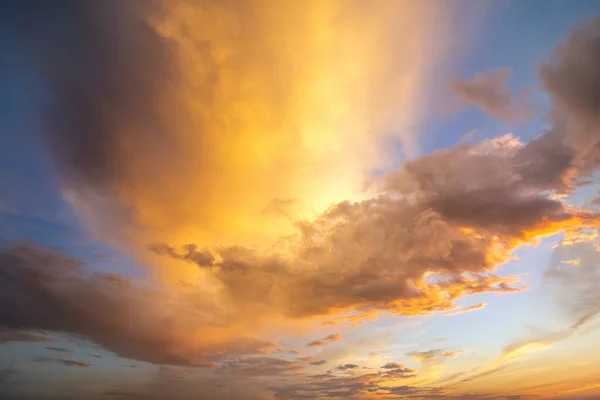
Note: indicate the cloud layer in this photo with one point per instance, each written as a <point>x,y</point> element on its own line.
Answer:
<point>438,229</point>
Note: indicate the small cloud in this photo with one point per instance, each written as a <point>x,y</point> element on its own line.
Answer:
<point>346,367</point>
<point>475,307</point>
<point>326,340</point>
<point>424,357</point>
<point>488,92</point>
<point>188,253</point>
<point>58,349</point>
<point>392,365</point>
<point>574,263</point>
<point>452,354</point>
<point>320,362</point>
<point>69,363</point>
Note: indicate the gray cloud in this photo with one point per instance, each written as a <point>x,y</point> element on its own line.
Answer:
<point>346,367</point>
<point>58,349</point>
<point>189,253</point>
<point>68,363</point>
<point>45,289</point>
<point>488,91</point>
<point>18,335</point>
<point>259,366</point>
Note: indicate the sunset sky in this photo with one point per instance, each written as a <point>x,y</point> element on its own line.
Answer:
<point>281,200</point>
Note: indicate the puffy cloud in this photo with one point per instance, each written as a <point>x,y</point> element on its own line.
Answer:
<point>326,340</point>
<point>320,362</point>
<point>488,91</point>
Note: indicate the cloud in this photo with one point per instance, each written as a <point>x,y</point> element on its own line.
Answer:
<point>58,349</point>
<point>18,335</point>
<point>326,340</point>
<point>432,355</point>
<point>346,367</point>
<point>41,288</point>
<point>69,363</point>
<point>573,285</point>
<point>488,91</point>
<point>331,385</point>
<point>190,253</point>
<point>259,366</point>
<point>320,362</point>
<point>159,107</point>
<point>391,365</point>
<point>436,232</point>
<point>463,310</point>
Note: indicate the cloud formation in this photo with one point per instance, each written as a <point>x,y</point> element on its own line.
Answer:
<point>58,349</point>
<point>488,91</point>
<point>435,233</point>
<point>171,129</point>
<point>174,151</point>
<point>68,363</point>
<point>326,340</point>
<point>19,335</point>
<point>44,289</point>
<point>468,309</point>
<point>432,355</point>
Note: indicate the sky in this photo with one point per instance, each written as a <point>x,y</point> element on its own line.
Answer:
<point>262,200</point>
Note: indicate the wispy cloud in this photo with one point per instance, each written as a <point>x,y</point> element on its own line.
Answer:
<point>326,340</point>
<point>68,363</point>
<point>18,335</point>
<point>474,307</point>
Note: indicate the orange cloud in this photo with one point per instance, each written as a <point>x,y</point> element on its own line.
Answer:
<point>326,340</point>
<point>474,307</point>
